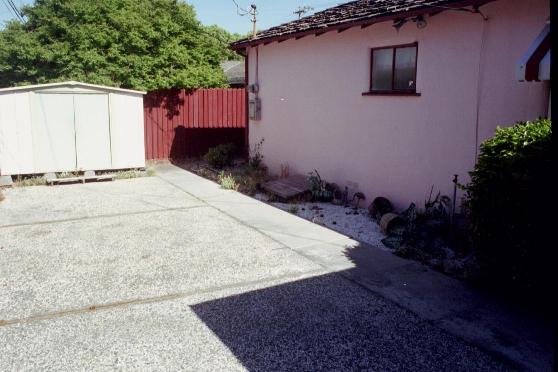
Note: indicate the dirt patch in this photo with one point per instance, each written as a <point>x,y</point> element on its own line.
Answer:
<point>239,176</point>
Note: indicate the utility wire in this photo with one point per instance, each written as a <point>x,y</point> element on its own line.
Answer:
<point>14,10</point>
<point>10,10</point>
<point>239,10</point>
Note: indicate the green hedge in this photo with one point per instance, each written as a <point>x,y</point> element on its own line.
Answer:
<point>507,201</point>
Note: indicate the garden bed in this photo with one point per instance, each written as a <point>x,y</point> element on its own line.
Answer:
<point>355,223</point>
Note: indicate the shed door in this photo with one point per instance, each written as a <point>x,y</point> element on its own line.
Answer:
<point>92,131</point>
<point>53,133</point>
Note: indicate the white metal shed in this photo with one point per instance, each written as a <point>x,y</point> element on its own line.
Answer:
<point>70,126</point>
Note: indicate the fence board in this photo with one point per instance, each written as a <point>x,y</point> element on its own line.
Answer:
<point>183,123</point>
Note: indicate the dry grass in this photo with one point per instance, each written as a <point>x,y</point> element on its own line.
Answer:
<point>134,173</point>
<point>2,197</point>
<point>29,181</point>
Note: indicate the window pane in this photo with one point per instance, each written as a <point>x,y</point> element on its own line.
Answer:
<point>405,64</point>
<point>382,65</point>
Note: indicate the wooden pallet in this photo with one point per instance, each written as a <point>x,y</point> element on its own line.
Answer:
<point>88,176</point>
<point>289,187</point>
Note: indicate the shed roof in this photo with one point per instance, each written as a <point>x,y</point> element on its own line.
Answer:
<point>353,13</point>
<point>72,84</point>
<point>234,71</point>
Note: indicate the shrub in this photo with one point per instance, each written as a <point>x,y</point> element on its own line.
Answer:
<point>256,157</point>
<point>221,155</point>
<point>227,181</point>
<point>506,199</point>
<point>318,187</point>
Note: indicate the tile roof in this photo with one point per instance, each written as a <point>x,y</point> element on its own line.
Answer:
<point>359,11</point>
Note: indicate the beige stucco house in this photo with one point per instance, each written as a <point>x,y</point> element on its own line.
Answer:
<point>392,97</point>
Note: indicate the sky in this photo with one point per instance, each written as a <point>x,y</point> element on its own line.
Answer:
<point>224,14</point>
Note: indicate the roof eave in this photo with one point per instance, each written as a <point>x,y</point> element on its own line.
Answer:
<point>71,83</point>
<point>243,44</point>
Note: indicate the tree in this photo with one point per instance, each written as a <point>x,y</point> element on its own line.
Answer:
<point>138,44</point>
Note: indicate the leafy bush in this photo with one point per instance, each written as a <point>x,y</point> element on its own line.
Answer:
<point>142,44</point>
<point>221,155</point>
<point>227,181</point>
<point>506,201</point>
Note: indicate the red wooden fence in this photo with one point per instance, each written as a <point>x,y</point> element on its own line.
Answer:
<point>181,123</point>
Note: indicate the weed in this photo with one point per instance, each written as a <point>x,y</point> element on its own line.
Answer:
<point>29,181</point>
<point>134,173</point>
<point>128,174</point>
<point>150,171</point>
<point>67,174</point>
<point>293,209</point>
<point>256,157</point>
<point>227,181</point>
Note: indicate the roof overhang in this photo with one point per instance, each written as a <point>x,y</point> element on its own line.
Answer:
<point>535,64</point>
<point>241,45</point>
<point>70,84</point>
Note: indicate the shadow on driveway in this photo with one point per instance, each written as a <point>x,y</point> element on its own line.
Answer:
<point>328,323</point>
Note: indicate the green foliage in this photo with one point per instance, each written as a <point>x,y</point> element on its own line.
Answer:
<point>422,234</point>
<point>227,181</point>
<point>318,187</point>
<point>506,201</point>
<point>221,155</point>
<point>138,44</point>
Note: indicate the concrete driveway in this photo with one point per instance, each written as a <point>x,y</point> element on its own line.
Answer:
<point>171,272</point>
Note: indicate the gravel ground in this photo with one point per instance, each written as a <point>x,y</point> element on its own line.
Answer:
<point>143,275</point>
<point>357,226</point>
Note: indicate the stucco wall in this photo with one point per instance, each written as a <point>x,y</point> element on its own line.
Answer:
<point>315,117</point>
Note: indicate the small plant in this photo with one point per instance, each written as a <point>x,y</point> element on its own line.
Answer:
<point>293,209</point>
<point>437,209</point>
<point>423,233</point>
<point>67,174</point>
<point>221,156</point>
<point>358,196</point>
<point>227,181</point>
<point>318,187</point>
<point>29,181</point>
<point>255,160</point>
<point>128,174</point>
<point>150,171</point>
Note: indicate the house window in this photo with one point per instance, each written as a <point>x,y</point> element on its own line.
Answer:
<point>394,70</point>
